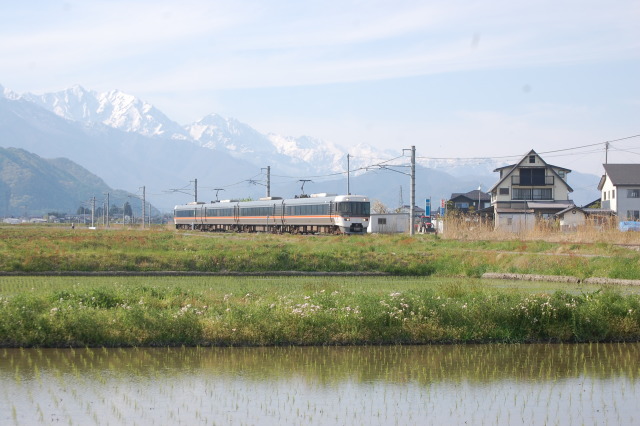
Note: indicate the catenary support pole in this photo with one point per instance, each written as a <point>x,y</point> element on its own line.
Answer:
<point>413,189</point>
<point>144,205</point>
<point>348,176</point>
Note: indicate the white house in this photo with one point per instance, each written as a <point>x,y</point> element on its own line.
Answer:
<point>527,191</point>
<point>620,190</point>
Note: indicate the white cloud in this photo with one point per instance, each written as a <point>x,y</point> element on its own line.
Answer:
<point>179,54</point>
<point>202,44</point>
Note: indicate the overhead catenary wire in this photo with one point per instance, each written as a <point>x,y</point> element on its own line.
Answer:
<point>384,163</point>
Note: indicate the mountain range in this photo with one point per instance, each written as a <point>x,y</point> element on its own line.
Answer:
<point>130,144</point>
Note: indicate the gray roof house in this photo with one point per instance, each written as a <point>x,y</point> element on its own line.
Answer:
<point>527,191</point>
<point>476,199</point>
<point>620,190</point>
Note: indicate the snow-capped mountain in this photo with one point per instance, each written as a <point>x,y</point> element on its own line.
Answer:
<point>113,108</point>
<point>292,155</point>
<point>129,143</point>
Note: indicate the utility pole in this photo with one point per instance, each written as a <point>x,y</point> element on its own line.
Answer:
<point>144,205</point>
<point>268,169</point>
<point>412,197</point>
<point>413,185</point>
<point>93,208</point>
<point>348,175</point>
<point>606,152</point>
<point>195,191</point>
<point>107,209</point>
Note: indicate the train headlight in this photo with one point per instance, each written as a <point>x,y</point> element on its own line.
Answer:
<point>347,219</point>
<point>366,219</point>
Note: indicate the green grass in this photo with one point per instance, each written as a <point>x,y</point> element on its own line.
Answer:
<point>139,311</point>
<point>431,296</point>
<point>46,249</point>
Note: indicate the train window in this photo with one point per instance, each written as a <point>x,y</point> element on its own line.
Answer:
<point>354,208</point>
<point>185,213</point>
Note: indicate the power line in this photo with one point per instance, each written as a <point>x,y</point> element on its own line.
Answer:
<point>384,164</point>
<point>542,152</point>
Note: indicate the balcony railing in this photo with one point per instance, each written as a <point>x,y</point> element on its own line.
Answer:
<point>532,194</point>
<point>528,181</point>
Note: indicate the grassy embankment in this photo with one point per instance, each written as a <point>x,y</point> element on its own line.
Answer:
<point>228,311</point>
<point>43,249</point>
<point>65,311</point>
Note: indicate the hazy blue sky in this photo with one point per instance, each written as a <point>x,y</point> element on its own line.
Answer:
<point>454,78</point>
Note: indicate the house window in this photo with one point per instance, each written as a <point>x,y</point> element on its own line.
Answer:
<point>613,194</point>
<point>633,193</point>
<point>504,191</point>
<point>462,205</point>
<point>532,159</point>
<point>532,176</point>
<point>382,221</point>
<point>633,214</point>
<point>542,194</point>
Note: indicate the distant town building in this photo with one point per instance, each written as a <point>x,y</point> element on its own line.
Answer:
<point>475,199</point>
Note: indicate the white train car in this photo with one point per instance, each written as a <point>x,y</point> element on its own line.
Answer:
<point>319,213</point>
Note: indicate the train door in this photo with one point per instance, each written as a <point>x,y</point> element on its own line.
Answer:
<point>198,217</point>
<point>236,214</point>
<point>278,213</point>
<point>332,212</point>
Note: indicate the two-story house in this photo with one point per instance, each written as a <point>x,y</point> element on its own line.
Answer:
<point>620,190</point>
<point>527,191</point>
<point>476,199</point>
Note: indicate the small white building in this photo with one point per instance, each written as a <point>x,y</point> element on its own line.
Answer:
<point>388,223</point>
<point>620,190</point>
<point>574,217</point>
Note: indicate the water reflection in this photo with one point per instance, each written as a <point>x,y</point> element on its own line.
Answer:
<point>490,384</point>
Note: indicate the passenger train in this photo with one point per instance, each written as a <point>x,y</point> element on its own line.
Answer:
<point>318,213</point>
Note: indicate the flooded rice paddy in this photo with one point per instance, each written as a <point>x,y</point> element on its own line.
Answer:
<point>392,385</point>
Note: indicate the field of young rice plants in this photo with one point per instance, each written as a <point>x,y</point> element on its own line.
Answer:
<point>263,311</point>
<point>394,385</point>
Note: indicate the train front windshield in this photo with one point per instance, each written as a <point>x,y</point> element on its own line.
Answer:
<point>354,208</point>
